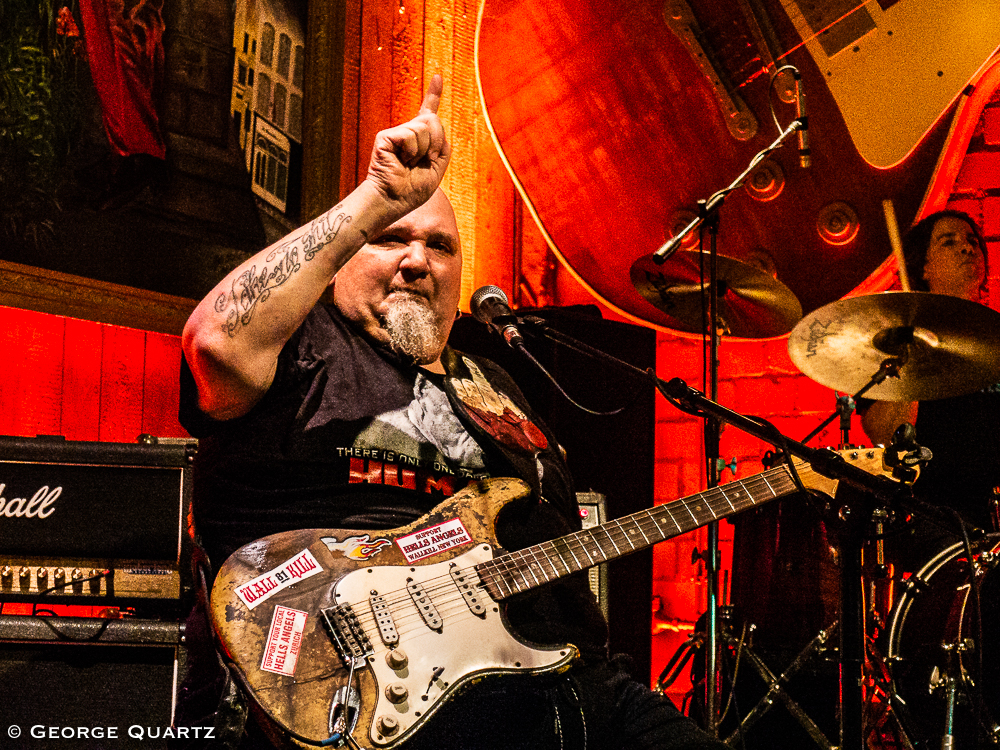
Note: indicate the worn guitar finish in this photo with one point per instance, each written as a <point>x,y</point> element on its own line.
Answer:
<point>614,119</point>
<point>408,616</point>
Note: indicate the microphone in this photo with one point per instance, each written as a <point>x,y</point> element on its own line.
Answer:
<point>489,306</point>
<point>805,157</point>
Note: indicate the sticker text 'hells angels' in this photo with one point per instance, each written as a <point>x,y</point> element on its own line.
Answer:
<point>289,572</point>
<point>284,641</point>
<point>432,540</point>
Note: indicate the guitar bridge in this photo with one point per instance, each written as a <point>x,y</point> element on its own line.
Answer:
<point>349,638</point>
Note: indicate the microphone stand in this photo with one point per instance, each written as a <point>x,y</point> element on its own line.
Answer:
<point>708,215</point>
<point>825,462</point>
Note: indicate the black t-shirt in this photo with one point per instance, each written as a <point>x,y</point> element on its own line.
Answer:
<point>964,435</point>
<point>348,436</point>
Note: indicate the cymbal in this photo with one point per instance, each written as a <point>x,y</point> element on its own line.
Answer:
<point>751,303</point>
<point>951,345</point>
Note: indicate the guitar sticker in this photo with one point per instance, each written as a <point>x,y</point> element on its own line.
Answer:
<point>284,640</point>
<point>433,540</point>
<point>356,547</point>
<point>263,587</point>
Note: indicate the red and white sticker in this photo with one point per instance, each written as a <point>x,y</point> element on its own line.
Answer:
<point>263,587</point>
<point>434,539</point>
<point>284,641</point>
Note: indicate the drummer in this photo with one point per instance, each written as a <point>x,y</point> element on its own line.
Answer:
<point>945,254</point>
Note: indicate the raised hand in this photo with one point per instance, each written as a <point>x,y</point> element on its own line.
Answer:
<point>409,160</point>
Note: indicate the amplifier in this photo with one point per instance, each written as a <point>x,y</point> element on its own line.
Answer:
<point>94,522</point>
<point>593,513</point>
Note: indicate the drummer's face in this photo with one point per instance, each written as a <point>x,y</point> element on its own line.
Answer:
<point>955,262</point>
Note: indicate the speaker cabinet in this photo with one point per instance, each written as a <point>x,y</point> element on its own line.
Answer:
<point>609,455</point>
<point>88,690</point>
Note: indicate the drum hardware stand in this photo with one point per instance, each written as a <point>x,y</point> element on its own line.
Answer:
<point>949,685</point>
<point>845,404</point>
<point>776,690</point>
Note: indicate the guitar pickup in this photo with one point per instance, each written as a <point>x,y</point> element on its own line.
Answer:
<point>467,582</point>
<point>383,618</point>
<point>424,604</point>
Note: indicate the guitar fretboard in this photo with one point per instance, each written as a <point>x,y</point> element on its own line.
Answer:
<point>536,565</point>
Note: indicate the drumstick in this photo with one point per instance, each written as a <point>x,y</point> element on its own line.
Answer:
<point>897,245</point>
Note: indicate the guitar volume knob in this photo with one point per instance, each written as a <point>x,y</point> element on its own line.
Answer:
<point>396,692</point>
<point>387,725</point>
<point>396,659</point>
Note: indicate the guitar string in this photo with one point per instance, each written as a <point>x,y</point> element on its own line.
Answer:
<point>453,602</point>
<point>516,564</point>
<point>406,625</point>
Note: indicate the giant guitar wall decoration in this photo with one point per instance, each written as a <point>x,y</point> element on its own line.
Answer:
<point>333,630</point>
<point>614,119</point>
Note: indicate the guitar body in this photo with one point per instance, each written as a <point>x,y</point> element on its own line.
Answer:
<point>612,129</point>
<point>286,632</point>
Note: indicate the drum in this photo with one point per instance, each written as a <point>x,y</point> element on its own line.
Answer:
<point>786,572</point>
<point>933,637</point>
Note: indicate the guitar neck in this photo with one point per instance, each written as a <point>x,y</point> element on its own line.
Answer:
<point>536,565</point>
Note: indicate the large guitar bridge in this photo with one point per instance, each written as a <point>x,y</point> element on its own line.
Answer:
<point>349,638</point>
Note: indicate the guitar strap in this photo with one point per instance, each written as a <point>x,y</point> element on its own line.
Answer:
<point>496,413</point>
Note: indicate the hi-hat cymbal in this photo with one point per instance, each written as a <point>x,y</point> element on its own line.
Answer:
<point>751,304</point>
<point>951,345</point>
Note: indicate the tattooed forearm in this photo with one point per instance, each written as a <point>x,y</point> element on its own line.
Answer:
<point>253,287</point>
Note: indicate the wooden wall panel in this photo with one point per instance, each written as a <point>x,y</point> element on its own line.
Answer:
<point>122,357</point>
<point>408,79</point>
<point>353,156</point>
<point>85,380</point>
<point>31,365</point>
<point>161,386</point>
<point>375,95</point>
<point>81,405</point>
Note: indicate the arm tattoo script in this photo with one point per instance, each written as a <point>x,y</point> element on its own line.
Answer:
<point>253,287</point>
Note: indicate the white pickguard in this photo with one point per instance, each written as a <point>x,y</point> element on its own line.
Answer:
<point>438,661</point>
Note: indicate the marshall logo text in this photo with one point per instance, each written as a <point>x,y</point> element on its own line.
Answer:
<point>39,506</point>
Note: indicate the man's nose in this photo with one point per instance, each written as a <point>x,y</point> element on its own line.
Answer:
<point>415,261</point>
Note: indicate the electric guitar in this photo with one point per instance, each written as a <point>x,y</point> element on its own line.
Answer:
<point>334,631</point>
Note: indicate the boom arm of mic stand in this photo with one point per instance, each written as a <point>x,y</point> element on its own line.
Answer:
<point>712,205</point>
<point>825,462</point>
